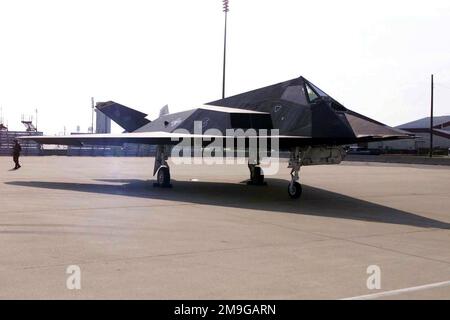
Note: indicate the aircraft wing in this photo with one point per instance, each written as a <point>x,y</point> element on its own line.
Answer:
<point>150,138</point>
<point>169,129</point>
<point>173,138</point>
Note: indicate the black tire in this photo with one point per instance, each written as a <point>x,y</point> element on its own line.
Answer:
<point>295,190</point>
<point>257,176</point>
<point>163,176</point>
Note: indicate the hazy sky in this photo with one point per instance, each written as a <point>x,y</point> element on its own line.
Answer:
<point>375,57</point>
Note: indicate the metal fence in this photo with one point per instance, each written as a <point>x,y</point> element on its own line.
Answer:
<point>29,148</point>
<point>127,150</point>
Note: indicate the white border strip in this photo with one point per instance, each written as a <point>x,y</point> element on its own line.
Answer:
<point>399,291</point>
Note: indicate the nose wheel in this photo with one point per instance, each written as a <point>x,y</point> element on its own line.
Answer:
<point>295,190</point>
<point>295,162</point>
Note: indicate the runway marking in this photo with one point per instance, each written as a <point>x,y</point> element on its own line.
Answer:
<point>399,291</point>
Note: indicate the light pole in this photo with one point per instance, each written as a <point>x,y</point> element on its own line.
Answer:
<point>431,116</point>
<point>225,9</point>
<point>92,114</point>
<point>36,119</point>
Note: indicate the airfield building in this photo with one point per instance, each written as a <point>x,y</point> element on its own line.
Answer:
<point>421,129</point>
<point>29,148</point>
<point>102,123</point>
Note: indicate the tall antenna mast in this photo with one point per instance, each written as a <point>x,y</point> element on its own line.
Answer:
<point>431,116</point>
<point>92,115</point>
<point>225,9</point>
<point>36,119</point>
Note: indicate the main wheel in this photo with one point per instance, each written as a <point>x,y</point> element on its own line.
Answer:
<point>257,176</point>
<point>163,177</point>
<point>295,190</point>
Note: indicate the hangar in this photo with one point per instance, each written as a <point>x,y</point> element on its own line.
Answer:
<point>421,129</point>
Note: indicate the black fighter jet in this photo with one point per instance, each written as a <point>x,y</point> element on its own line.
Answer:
<point>311,125</point>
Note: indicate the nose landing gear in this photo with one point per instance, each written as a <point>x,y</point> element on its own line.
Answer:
<point>161,168</point>
<point>295,190</point>
<point>295,162</point>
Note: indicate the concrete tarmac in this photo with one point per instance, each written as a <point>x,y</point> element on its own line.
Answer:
<point>213,237</point>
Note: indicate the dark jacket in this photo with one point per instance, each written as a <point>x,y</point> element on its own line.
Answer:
<point>17,149</point>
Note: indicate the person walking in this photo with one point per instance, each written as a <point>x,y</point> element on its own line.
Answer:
<point>16,154</point>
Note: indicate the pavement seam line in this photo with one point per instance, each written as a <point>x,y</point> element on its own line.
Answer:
<point>354,242</point>
<point>399,291</point>
<point>150,256</point>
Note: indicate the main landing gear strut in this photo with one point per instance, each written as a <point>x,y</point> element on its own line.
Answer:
<point>256,175</point>
<point>161,168</point>
<point>162,171</point>
<point>295,162</point>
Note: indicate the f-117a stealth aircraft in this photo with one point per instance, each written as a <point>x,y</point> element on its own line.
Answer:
<point>311,125</point>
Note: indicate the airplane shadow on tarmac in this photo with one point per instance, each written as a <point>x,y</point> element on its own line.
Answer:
<point>272,198</point>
